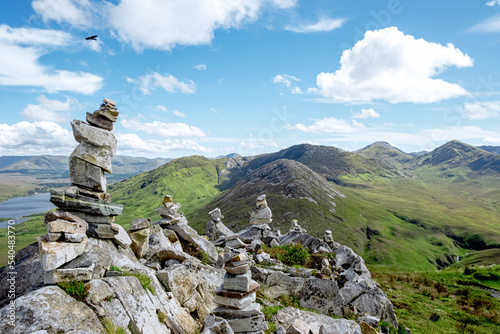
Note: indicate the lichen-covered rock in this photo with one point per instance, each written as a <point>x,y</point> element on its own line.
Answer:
<point>51,309</point>
<point>55,254</point>
<point>121,239</point>
<point>287,316</point>
<point>187,233</point>
<point>193,285</point>
<point>140,242</point>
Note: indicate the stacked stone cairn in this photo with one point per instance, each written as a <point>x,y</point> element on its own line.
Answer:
<point>169,212</point>
<point>236,296</point>
<point>83,208</point>
<point>262,213</point>
<point>216,230</point>
<point>327,237</point>
<point>295,228</point>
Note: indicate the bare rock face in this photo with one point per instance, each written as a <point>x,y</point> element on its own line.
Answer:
<point>51,309</point>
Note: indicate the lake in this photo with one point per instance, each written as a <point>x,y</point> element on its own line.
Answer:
<point>24,206</point>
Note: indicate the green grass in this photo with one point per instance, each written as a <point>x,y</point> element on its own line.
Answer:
<point>76,289</point>
<point>457,300</point>
<point>111,328</point>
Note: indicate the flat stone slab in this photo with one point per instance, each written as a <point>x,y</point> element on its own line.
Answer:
<point>252,324</point>
<point>238,270</point>
<point>84,204</point>
<point>231,313</point>
<point>68,237</point>
<point>254,287</point>
<point>235,303</point>
<point>109,114</point>
<point>68,275</point>
<point>99,121</point>
<point>139,224</point>
<point>58,226</point>
<point>121,238</point>
<point>102,231</point>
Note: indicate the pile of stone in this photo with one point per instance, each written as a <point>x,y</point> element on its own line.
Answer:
<point>216,229</point>
<point>262,213</point>
<point>236,296</point>
<point>169,212</point>
<point>87,198</point>
<point>295,228</point>
<point>327,237</point>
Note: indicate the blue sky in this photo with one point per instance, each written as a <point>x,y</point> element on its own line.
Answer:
<point>250,76</point>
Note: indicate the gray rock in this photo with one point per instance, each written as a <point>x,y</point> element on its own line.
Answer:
<point>98,156</point>
<point>190,235</point>
<point>121,238</point>
<point>139,224</point>
<point>251,324</point>
<point>235,303</point>
<point>299,327</point>
<point>55,254</point>
<point>313,244</point>
<point>261,257</point>
<point>161,249</point>
<point>253,232</point>
<point>67,216</point>
<point>74,237</point>
<point>231,313</point>
<point>193,285</point>
<point>140,242</point>
<point>376,303</point>
<point>53,236</point>
<point>92,135</point>
<point>102,231</point>
<point>99,121</point>
<point>370,320</point>
<point>29,274</point>
<point>274,243</point>
<point>51,309</point>
<point>67,275</point>
<point>280,330</point>
<point>84,204</point>
<point>237,269</point>
<point>58,226</point>
<point>86,175</point>
<point>216,325</point>
<point>217,230</point>
<point>93,218</point>
<point>238,282</point>
<point>288,315</point>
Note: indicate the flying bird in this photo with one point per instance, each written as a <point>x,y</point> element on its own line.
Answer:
<point>93,37</point>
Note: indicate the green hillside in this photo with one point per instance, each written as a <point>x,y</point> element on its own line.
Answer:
<point>193,181</point>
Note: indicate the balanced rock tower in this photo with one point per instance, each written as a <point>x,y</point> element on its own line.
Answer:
<point>84,208</point>
<point>236,296</point>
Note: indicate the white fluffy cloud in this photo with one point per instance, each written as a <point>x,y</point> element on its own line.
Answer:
<point>493,3</point>
<point>49,110</point>
<point>21,49</point>
<point>179,114</point>
<point>288,81</point>
<point>161,129</point>
<point>389,65</point>
<point>328,125</point>
<point>158,24</point>
<point>25,138</point>
<point>161,108</point>
<point>134,145</point>
<point>323,24</point>
<point>366,113</point>
<point>482,110</point>
<point>168,82</point>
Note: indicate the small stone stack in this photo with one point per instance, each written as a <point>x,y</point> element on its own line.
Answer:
<point>262,213</point>
<point>236,296</point>
<point>295,228</point>
<point>327,237</point>
<point>169,212</point>
<point>87,198</point>
<point>215,227</point>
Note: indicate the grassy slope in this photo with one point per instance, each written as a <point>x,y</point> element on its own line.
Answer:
<point>193,181</point>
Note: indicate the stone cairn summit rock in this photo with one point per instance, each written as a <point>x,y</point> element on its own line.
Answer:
<point>259,229</point>
<point>295,228</point>
<point>216,229</point>
<point>262,213</point>
<point>236,296</point>
<point>84,208</point>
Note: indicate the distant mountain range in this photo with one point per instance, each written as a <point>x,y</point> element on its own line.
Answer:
<point>57,166</point>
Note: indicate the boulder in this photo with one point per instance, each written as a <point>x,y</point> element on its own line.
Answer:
<point>190,235</point>
<point>86,175</point>
<point>99,121</point>
<point>287,316</point>
<point>121,238</point>
<point>88,205</point>
<point>51,309</point>
<point>93,135</point>
<point>98,156</point>
<point>55,254</point>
